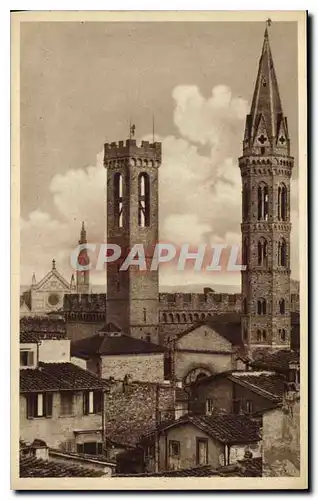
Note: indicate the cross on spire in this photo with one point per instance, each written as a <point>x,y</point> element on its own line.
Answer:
<point>53,264</point>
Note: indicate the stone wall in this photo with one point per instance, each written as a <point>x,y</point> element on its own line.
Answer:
<point>131,410</point>
<point>141,367</point>
<point>281,439</point>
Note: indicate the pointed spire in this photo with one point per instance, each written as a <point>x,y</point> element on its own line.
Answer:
<point>33,279</point>
<point>53,265</point>
<point>266,126</point>
<point>83,235</point>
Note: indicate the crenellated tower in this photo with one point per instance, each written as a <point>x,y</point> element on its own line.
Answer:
<point>266,168</point>
<point>132,219</point>
<point>82,277</point>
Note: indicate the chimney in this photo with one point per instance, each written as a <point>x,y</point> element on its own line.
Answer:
<point>39,449</point>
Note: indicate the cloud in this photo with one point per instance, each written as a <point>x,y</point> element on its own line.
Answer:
<point>199,189</point>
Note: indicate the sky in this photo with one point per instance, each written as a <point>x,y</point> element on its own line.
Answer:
<point>81,83</point>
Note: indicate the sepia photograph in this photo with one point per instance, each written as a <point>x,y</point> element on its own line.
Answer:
<point>159,215</point>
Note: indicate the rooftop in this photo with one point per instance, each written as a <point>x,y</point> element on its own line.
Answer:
<point>226,428</point>
<point>31,466</point>
<point>110,341</point>
<point>226,325</point>
<point>42,327</point>
<point>267,384</point>
<point>58,377</point>
<point>277,361</point>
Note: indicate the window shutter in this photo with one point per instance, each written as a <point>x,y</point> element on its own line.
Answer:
<point>98,402</point>
<point>80,448</point>
<point>85,403</point>
<point>31,358</point>
<point>30,405</point>
<point>48,401</point>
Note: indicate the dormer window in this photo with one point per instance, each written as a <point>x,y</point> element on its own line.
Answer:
<point>26,358</point>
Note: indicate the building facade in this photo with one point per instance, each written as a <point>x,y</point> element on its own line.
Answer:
<point>266,168</point>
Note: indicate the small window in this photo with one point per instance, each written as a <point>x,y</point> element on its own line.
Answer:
<point>282,306</point>
<point>174,449</point>
<point>39,405</point>
<point>264,334</point>
<point>202,451</point>
<point>209,405</point>
<point>26,358</point>
<point>90,448</point>
<point>92,402</point>
<point>259,335</point>
<point>249,406</point>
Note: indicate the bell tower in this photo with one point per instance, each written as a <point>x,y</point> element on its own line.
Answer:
<point>132,219</point>
<point>82,277</point>
<point>266,168</point>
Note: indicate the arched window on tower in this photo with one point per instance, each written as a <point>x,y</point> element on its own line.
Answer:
<point>282,253</point>
<point>143,200</point>
<point>259,335</point>
<point>245,201</point>
<point>245,252</point>
<point>282,306</point>
<point>261,306</point>
<point>244,306</point>
<point>262,202</point>
<point>282,203</point>
<point>118,200</point>
<point>262,252</point>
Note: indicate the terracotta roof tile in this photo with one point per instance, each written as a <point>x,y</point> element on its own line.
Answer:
<point>35,467</point>
<point>269,385</point>
<point>108,344</point>
<point>226,428</point>
<point>276,361</point>
<point>58,377</point>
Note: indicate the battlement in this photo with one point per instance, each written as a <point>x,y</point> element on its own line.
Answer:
<point>76,302</point>
<point>133,153</point>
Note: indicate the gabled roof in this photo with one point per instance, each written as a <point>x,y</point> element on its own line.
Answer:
<point>277,361</point>
<point>42,327</point>
<point>107,344</point>
<point>267,384</point>
<point>31,466</point>
<point>226,428</point>
<point>59,377</point>
<point>54,273</point>
<point>227,325</point>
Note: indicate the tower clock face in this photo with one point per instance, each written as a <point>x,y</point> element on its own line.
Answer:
<point>53,299</point>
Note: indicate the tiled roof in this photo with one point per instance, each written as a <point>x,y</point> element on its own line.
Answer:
<point>29,338</point>
<point>35,467</point>
<point>117,343</point>
<point>43,327</point>
<point>248,467</point>
<point>251,467</point>
<point>58,377</point>
<point>201,471</point>
<point>227,325</point>
<point>266,384</point>
<point>277,361</point>
<point>226,428</point>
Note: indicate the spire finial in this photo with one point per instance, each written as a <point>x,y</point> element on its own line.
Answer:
<point>132,129</point>
<point>33,279</point>
<point>53,265</point>
<point>268,24</point>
